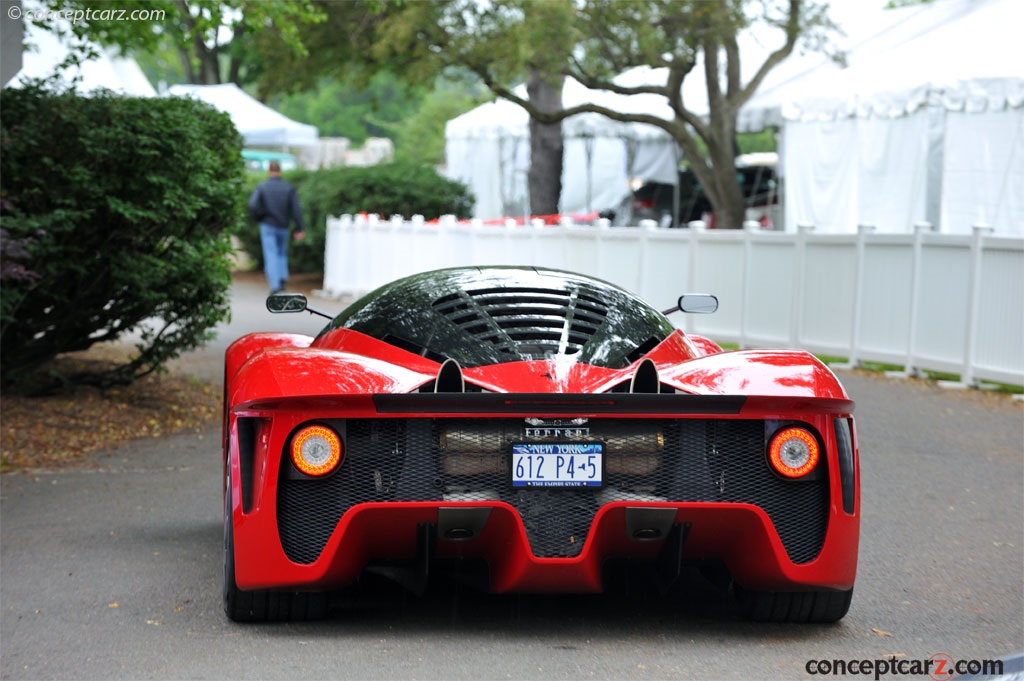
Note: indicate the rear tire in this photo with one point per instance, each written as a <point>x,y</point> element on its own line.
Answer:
<point>263,605</point>
<point>820,607</point>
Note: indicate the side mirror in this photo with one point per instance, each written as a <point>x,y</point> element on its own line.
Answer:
<point>695,303</point>
<point>286,302</point>
<point>698,303</point>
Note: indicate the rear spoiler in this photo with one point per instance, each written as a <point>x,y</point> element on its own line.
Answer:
<point>604,403</point>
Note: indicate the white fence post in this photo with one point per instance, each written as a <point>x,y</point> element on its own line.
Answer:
<point>697,229</point>
<point>863,231</point>
<point>751,227</point>
<point>799,264</point>
<point>333,267</point>
<point>978,233</point>
<point>909,365</point>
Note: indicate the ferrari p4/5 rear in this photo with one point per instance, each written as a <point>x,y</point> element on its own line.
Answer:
<point>544,424</point>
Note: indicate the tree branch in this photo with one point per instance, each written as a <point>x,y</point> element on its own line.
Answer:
<point>776,57</point>
<point>674,85</point>
<point>551,117</point>
<point>591,81</point>
<point>714,87</point>
<point>732,66</point>
<point>671,91</point>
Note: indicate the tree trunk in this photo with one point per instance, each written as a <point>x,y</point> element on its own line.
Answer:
<point>186,63</point>
<point>728,205</point>
<point>545,177</point>
<point>720,181</point>
<point>731,210</point>
<point>207,58</point>
<point>209,66</point>
<point>235,63</point>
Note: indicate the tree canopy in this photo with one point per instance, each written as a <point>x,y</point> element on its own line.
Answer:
<point>594,41</point>
<point>505,43</point>
<point>214,39</point>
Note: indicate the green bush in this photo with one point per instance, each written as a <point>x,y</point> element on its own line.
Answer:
<point>388,189</point>
<point>116,212</point>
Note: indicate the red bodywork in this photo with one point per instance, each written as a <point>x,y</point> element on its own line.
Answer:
<point>280,381</point>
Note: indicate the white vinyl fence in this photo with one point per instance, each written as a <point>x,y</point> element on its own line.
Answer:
<point>924,301</point>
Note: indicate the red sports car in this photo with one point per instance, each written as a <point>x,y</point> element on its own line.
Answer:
<point>543,424</point>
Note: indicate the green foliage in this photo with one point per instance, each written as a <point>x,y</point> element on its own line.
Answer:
<point>354,109</point>
<point>749,142</point>
<point>387,189</point>
<point>193,29</point>
<point>398,188</point>
<point>419,137</point>
<point>753,142</point>
<point>387,106</point>
<point>337,47</point>
<point>119,210</point>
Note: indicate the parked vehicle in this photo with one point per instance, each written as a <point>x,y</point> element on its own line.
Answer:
<point>757,174</point>
<point>536,430</point>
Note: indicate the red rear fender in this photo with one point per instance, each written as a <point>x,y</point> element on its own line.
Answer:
<point>308,372</point>
<point>239,352</point>
<point>705,345</point>
<point>782,373</point>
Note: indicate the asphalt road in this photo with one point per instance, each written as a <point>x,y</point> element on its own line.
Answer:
<point>114,572</point>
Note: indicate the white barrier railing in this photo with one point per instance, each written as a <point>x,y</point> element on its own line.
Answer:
<point>924,301</point>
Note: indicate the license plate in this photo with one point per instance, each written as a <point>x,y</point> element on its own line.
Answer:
<point>557,464</point>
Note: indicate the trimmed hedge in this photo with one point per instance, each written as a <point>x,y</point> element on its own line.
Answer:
<point>116,211</point>
<point>388,189</point>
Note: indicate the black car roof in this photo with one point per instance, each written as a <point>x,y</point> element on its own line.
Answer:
<point>489,315</point>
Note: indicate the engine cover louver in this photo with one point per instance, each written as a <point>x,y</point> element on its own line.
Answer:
<point>515,321</point>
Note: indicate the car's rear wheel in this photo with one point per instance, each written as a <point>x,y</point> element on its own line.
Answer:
<point>793,606</point>
<point>263,605</point>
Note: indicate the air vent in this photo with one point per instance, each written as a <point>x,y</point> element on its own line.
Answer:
<point>532,322</point>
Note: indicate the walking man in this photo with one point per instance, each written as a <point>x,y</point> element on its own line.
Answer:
<point>275,205</point>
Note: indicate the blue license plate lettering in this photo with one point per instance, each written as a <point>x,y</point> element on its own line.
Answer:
<point>557,464</point>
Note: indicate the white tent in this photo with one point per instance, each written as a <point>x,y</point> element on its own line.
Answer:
<point>488,149</point>
<point>925,123</point>
<point>45,51</point>
<point>259,125</point>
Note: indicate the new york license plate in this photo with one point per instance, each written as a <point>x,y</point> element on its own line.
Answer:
<point>554,464</point>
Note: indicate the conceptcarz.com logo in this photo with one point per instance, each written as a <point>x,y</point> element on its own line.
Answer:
<point>939,667</point>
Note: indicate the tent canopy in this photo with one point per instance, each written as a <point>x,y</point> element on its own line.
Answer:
<point>924,124</point>
<point>45,51</point>
<point>259,125</point>
<point>488,149</point>
<point>965,54</point>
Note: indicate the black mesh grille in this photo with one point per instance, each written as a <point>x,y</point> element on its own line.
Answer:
<point>467,460</point>
<point>517,320</point>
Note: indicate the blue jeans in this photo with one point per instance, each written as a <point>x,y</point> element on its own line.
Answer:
<point>275,255</point>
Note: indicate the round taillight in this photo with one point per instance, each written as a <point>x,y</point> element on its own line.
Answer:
<point>316,450</point>
<point>793,452</point>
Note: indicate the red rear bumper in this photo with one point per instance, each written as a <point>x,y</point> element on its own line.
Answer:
<point>740,535</point>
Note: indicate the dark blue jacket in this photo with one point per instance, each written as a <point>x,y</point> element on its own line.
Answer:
<point>275,203</point>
